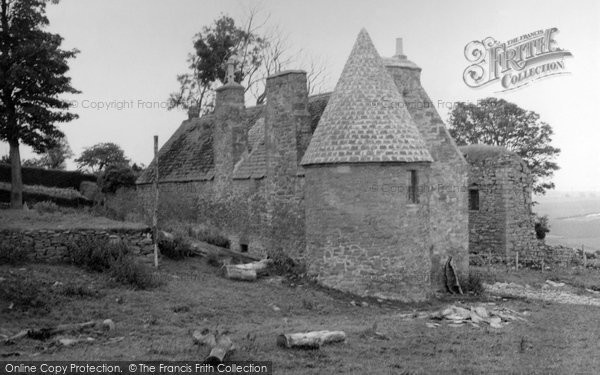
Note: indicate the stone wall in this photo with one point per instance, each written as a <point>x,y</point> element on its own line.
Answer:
<point>51,245</point>
<point>504,223</point>
<point>287,122</point>
<point>363,236</point>
<point>448,203</point>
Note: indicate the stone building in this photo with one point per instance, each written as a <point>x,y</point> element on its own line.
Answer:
<point>364,184</point>
<point>499,193</point>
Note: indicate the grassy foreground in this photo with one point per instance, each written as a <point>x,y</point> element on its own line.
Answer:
<point>156,324</point>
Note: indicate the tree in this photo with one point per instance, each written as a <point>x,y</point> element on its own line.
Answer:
<point>258,52</point>
<point>101,155</point>
<point>213,47</point>
<point>54,158</point>
<point>497,122</point>
<point>115,177</point>
<point>32,78</point>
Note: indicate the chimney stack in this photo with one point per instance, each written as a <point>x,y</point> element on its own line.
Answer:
<point>399,49</point>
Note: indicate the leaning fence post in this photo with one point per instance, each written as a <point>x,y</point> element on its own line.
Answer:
<point>584,256</point>
<point>155,211</point>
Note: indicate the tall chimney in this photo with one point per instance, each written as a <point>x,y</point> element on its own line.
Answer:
<point>399,49</point>
<point>229,133</point>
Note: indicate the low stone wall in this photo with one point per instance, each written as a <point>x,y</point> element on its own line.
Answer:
<point>543,254</point>
<point>51,245</point>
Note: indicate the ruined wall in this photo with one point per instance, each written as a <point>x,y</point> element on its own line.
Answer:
<point>287,122</point>
<point>503,224</point>
<point>362,234</point>
<point>448,204</point>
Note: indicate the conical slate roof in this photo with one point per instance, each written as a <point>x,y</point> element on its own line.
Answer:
<point>366,119</point>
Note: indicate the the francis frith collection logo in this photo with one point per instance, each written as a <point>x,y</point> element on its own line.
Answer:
<point>514,63</point>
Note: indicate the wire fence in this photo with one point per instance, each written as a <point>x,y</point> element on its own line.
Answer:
<point>544,257</point>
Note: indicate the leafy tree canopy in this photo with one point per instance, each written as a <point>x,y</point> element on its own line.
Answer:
<point>213,46</point>
<point>32,80</point>
<point>54,158</point>
<point>101,155</point>
<point>497,122</point>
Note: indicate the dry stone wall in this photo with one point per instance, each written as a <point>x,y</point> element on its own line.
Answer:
<point>51,245</point>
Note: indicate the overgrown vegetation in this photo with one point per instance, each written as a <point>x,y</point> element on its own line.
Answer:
<point>176,247</point>
<point>12,254</point>
<point>115,177</point>
<point>45,207</point>
<point>282,264</point>
<point>209,235</point>
<point>113,258</point>
<point>473,283</point>
<point>542,226</point>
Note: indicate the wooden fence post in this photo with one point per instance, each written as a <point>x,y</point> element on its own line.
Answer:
<point>155,211</point>
<point>517,261</point>
<point>584,256</point>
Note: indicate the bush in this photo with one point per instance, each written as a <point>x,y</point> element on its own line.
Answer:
<point>124,205</point>
<point>114,258</point>
<point>38,193</point>
<point>115,177</point>
<point>128,272</point>
<point>473,284</point>
<point>95,254</point>
<point>47,177</point>
<point>177,247</point>
<point>542,226</point>
<point>10,254</point>
<point>282,264</point>
<point>45,207</point>
<point>210,235</point>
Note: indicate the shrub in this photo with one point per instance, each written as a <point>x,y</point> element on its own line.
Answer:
<point>282,264</point>
<point>47,177</point>
<point>123,205</point>
<point>10,254</point>
<point>94,253</point>
<point>542,226</point>
<point>115,177</point>
<point>45,207</point>
<point>114,258</point>
<point>210,235</point>
<point>126,270</point>
<point>177,247</point>
<point>473,283</point>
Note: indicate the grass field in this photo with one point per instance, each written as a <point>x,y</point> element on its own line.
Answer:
<point>63,219</point>
<point>156,324</point>
<point>574,218</point>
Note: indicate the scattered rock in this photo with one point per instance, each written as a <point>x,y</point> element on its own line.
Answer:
<point>108,324</point>
<point>275,308</point>
<point>457,316</point>
<point>554,284</point>
<point>66,341</point>
<point>353,303</point>
<point>114,340</point>
<point>364,304</point>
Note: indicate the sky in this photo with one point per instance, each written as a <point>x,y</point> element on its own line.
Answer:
<point>132,51</point>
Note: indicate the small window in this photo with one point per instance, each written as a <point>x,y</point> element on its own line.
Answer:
<point>243,248</point>
<point>413,187</point>
<point>474,199</point>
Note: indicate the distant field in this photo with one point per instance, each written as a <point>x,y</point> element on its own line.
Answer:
<point>574,218</point>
